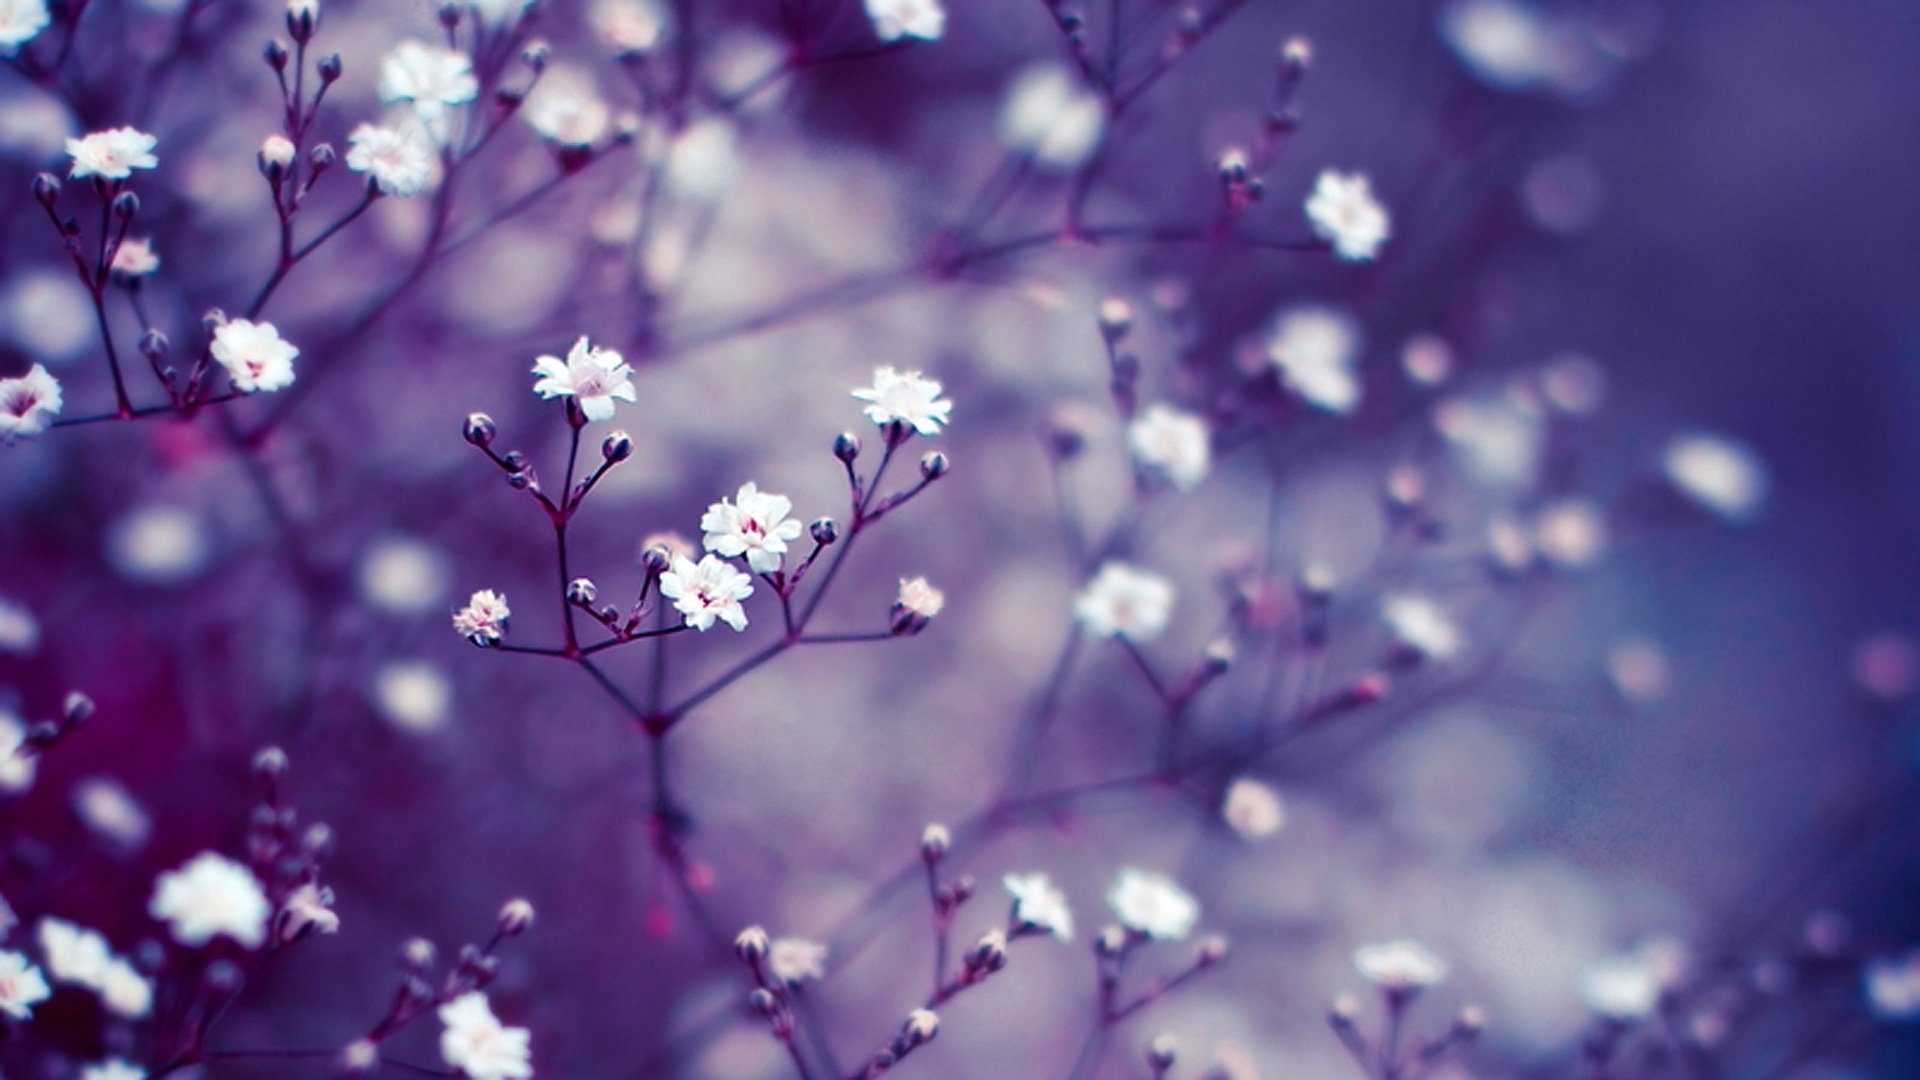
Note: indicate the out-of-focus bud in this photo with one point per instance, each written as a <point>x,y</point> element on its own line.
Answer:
<point>1111,942</point>
<point>222,979</point>
<point>276,56</point>
<point>933,466</point>
<point>536,54</point>
<point>1067,430</point>
<point>76,709</point>
<point>846,446</point>
<point>329,68</point>
<point>1296,52</point>
<point>449,14</point>
<point>990,952</point>
<point>321,157</point>
<point>301,17</point>
<point>824,531</point>
<point>516,917</point>
<point>270,763</point>
<point>656,559</point>
<point>934,841</point>
<point>277,150</point>
<point>1160,1054</point>
<point>1218,656</point>
<point>582,591</point>
<point>752,944</point>
<point>764,1003</point>
<point>617,447</point>
<point>1472,1019</point>
<point>46,189</point>
<point>520,481</point>
<point>515,460</point>
<point>126,205</point>
<point>1345,1011</point>
<point>318,841</point>
<point>1116,318</point>
<point>1211,950</point>
<point>416,956</point>
<point>360,1058</point>
<point>921,1026</point>
<point>479,430</point>
<point>154,345</point>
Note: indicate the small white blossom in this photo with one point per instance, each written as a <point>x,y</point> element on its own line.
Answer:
<point>708,590</point>
<point>479,1045</point>
<point>1153,905</point>
<point>397,161</point>
<point>124,991</point>
<point>1421,625</point>
<point>1039,904</point>
<point>307,911</point>
<point>1344,212</point>
<point>112,154</point>
<point>431,78</point>
<point>20,22</point>
<point>1052,117</point>
<point>28,404</point>
<point>754,524</point>
<point>484,620</point>
<point>1570,533</point>
<point>1315,349</point>
<point>113,1070</point>
<point>1253,809</point>
<point>1721,475</point>
<point>254,354</point>
<point>109,809</point>
<point>1124,601</point>
<point>1399,965</point>
<point>919,598</point>
<point>793,960</point>
<point>135,258</point>
<point>565,108</point>
<point>1892,986</point>
<point>630,26</point>
<point>278,150</point>
<point>413,694</point>
<point>17,770</point>
<point>212,896</point>
<point>594,377</point>
<point>895,19</point>
<point>1173,443</point>
<point>21,986</point>
<point>74,954</point>
<point>906,396</point>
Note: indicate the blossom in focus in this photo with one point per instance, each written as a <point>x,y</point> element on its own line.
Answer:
<point>1153,905</point>
<point>1721,475</point>
<point>708,590</point>
<point>479,1045</point>
<point>28,404</point>
<point>112,154</point>
<point>254,354</point>
<point>1039,904</point>
<point>1124,601</point>
<point>212,896</point>
<point>915,605</point>
<point>754,524</point>
<point>484,620</point>
<point>1173,443</point>
<point>1051,117</point>
<point>1421,625</point>
<point>20,22</point>
<point>431,78</point>
<point>895,19</point>
<point>21,986</point>
<point>134,258</point>
<point>794,960</point>
<point>397,162</point>
<point>594,377</point>
<point>1399,965</point>
<point>1315,349</point>
<point>1343,212</point>
<point>906,396</point>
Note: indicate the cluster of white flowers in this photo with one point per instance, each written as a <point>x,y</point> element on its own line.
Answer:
<point>895,19</point>
<point>1153,905</point>
<point>1344,212</point>
<point>81,957</point>
<point>707,590</point>
<point>254,355</point>
<point>594,377</point>
<point>1125,601</point>
<point>905,397</point>
<point>477,1044</point>
<point>1052,117</point>
<point>484,620</point>
<point>20,22</point>
<point>754,525</point>
<point>397,160</point>
<point>1038,904</point>
<point>212,896</point>
<point>1316,349</point>
<point>1399,965</point>
<point>1171,443</point>
<point>112,154</point>
<point>22,986</point>
<point>28,404</point>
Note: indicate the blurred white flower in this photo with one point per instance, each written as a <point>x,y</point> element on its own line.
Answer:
<point>1399,965</point>
<point>21,986</point>
<point>431,78</point>
<point>112,154</point>
<point>211,896</point>
<point>1570,533</point>
<point>412,694</point>
<point>895,19</point>
<point>308,911</point>
<point>1428,359</point>
<point>754,524</point>
<point>403,575</point>
<point>1052,117</point>
<point>1498,439</point>
<point>906,396</point>
<point>1124,601</point>
<point>1175,444</point>
<point>1344,212</point>
<point>135,258</point>
<point>704,160</point>
<point>484,620</point>
<point>1152,905</point>
<point>630,26</point>
<point>595,377</point>
<point>1505,43</point>
<point>110,810</point>
<point>1039,904</point>
<point>397,161</point>
<point>1621,988</point>
<point>918,597</point>
<point>1639,670</point>
<point>74,954</point>
<point>19,630</point>
<point>28,404</point>
<point>17,770</point>
<point>113,1070</point>
<point>254,354</point>
<point>794,960</point>
<point>566,108</point>
<point>1315,349</point>
<point>708,590</point>
<point>158,545</point>
<point>477,1044</point>
<point>1892,986</point>
<point>1721,475</point>
<point>1253,809</point>
<point>124,991</point>
<point>1422,625</point>
<point>20,22</point>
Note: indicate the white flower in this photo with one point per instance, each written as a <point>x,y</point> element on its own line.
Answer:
<point>484,620</point>
<point>595,377</point>
<point>1052,117</point>
<point>1152,905</point>
<point>1621,988</point>
<point>905,396</point>
<point>630,26</point>
<point>398,162</point>
<point>1037,903</point>
<point>433,79</point>
<point>124,991</point>
<point>918,597</point>
<point>28,404</point>
<point>1421,625</point>
<point>1343,211</point>
<point>113,1070</point>
<point>1498,439</point>
<point>565,108</point>
<point>16,769</point>
<point>74,954</point>
<point>413,694</point>
<point>793,960</point>
<point>895,19</point>
<point>1399,965</point>
<point>212,896</point>
<point>307,912</point>
<point>1173,443</point>
<point>20,22</point>
<point>1315,349</point>
<point>21,986</point>
<point>112,154</point>
<point>704,160</point>
<point>108,808</point>
<point>1893,986</point>
<point>1506,44</point>
<point>1253,809</point>
<point>708,590</point>
<point>135,258</point>
<point>254,354</point>
<point>1124,601</point>
<point>754,524</point>
<point>1570,533</point>
<point>1721,475</point>
<point>479,1045</point>
<point>277,150</point>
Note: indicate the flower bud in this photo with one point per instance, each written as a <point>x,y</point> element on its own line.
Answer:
<point>479,430</point>
<point>1116,318</point>
<point>516,917</point>
<point>270,763</point>
<point>46,189</point>
<point>125,205</point>
<point>515,460</point>
<point>990,952</point>
<point>764,1003</point>
<point>301,17</point>
<point>617,447</point>
<point>520,481</point>
<point>846,446</point>
<point>921,1026</point>
<point>1160,1054</point>
<point>154,345</point>
<point>934,842</point>
<point>656,559</point>
<point>360,1058</point>
<point>321,157</point>
<point>933,466</point>
<point>416,955</point>
<point>751,945</point>
<point>824,531</point>
<point>1111,942</point>
<point>276,56</point>
<point>582,592</point>
<point>329,68</point>
<point>1211,950</point>
<point>76,709</point>
<point>536,54</point>
<point>276,153</point>
<point>318,841</point>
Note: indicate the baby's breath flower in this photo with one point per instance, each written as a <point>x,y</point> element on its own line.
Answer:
<point>431,78</point>
<point>794,960</point>
<point>708,590</point>
<point>1343,211</point>
<point>135,258</point>
<point>477,1044</point>
<point>124,991</point>
<point>1173,443</point>
<point>1153,905</point>
<point>895,19</point>
<point>397,161</point>
<point>754,524</point>
<point>28,404</point>
<point>212,896</point>
<point>1399,965</point>
<point>594,377</point>
<point>1721,475</point>
<point>1124,601</point>
<point>1051,117</point>
<point>1421,625</point>
<point>484,620</point>
<point>1038,904</point>
<point>112,154</point>
<point>308,911</point>
<point>74,954</point>
<point>1253,809</point>
<point>915,605</point>
<point>630,26</point>
<point>907,397</point>
<point>21,986</point>
<point>254,354</point>
<point>565,108</point>
<point>1315,349</point>
<point>20,22</point>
